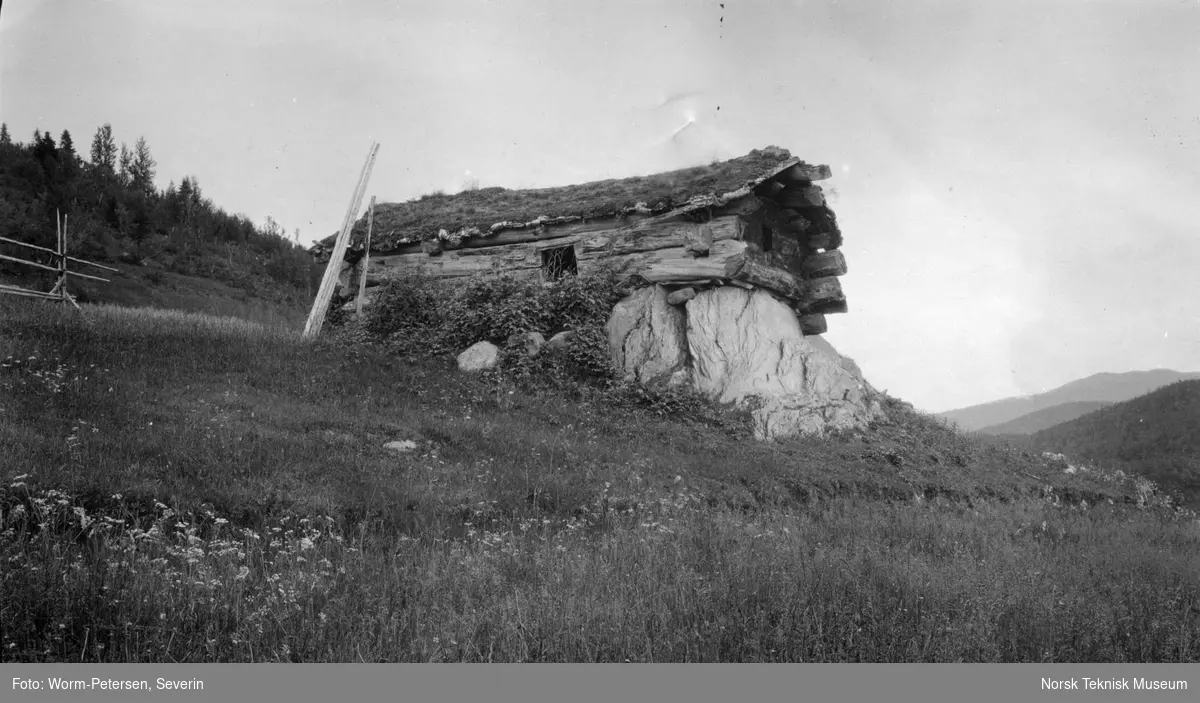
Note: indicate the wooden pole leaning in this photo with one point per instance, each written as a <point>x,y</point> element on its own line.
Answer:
<point>316,317</point>
<point>366,261</point>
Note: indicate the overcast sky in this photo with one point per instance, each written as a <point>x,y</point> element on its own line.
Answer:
<point>1018,183</point>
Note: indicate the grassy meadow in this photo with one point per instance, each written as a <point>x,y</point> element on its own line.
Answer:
<point>178,487</point>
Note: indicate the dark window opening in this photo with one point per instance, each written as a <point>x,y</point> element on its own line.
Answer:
<point>559,262</point>
<point>767,238</point>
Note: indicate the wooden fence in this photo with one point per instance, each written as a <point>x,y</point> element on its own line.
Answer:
<point>60,259</point>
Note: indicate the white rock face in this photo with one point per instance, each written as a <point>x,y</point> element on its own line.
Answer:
<point>743,343</point>
<point>743,346</point>
<point>479,356</point>
<point>647,337</point>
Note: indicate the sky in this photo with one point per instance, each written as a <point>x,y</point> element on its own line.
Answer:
<point>1018,183</point>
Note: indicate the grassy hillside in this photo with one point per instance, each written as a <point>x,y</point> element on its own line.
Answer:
<point>1043,419</point>
<point>1157,435</point>
<point>191,488</point>
<point>1101,387</point>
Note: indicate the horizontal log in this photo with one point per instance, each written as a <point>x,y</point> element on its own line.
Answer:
<point>676,264</point>
<point>813,323</point>
<point>828,263</point>
<point>29,263</point>
<point>802,173</point>
<point>801,197</point>
<point>827,241</point>
<point>834,306</point>
<point>822,295</point>
<point>17,290</point>
<point>51,251</point>
<point>655,255</point>
<point>753,270</point>
<point>665,234</point>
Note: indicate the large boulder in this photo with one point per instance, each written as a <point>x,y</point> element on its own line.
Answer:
<point>746,344</point>
<point>647,337</point>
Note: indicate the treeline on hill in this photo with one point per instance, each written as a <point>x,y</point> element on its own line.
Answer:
<point>1156,435</point>
<point>115,212</point>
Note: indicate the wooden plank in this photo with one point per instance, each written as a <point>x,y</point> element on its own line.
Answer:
<point>316,317</point>
<point>828,263</point>
<point>366,260</point>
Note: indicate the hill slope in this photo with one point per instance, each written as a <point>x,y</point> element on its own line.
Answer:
<point>1101,387</point>
<point>186,488</point>
<point>173,248</point>
<point>1042,419</point>
<point>1157,435</point>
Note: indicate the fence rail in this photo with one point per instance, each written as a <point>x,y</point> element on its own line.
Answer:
<point>59,291</point>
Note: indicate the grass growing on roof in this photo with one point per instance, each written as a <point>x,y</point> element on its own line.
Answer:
<point>420,219</point>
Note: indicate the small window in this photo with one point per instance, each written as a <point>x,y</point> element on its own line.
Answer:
<point>768,238</point>
<point>558,262</point>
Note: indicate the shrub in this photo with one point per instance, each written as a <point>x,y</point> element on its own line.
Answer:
<point>429,317</point>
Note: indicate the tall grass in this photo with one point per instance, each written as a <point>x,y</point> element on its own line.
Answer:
<point>178,488</point>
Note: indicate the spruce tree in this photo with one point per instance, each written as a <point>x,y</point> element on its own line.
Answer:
<point>104,149</point>
<point>66,146</point>
<point>5,140</point>
<point>142,170</point>
<point>125,164</point>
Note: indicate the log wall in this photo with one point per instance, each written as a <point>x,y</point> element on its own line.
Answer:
<point>782,237</point>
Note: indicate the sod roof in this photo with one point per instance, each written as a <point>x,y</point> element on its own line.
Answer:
<point>486,211</point>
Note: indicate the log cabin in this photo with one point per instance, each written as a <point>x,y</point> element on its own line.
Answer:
<point>756,221</point>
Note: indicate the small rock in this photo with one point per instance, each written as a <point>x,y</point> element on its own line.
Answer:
<point>681,296</point>
<point>479,356</point>
<point>401,445</point>
<point>560,340</point>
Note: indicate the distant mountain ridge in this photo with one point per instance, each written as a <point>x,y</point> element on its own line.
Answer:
<point>1101,387</point>
<point>1045,418</point>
